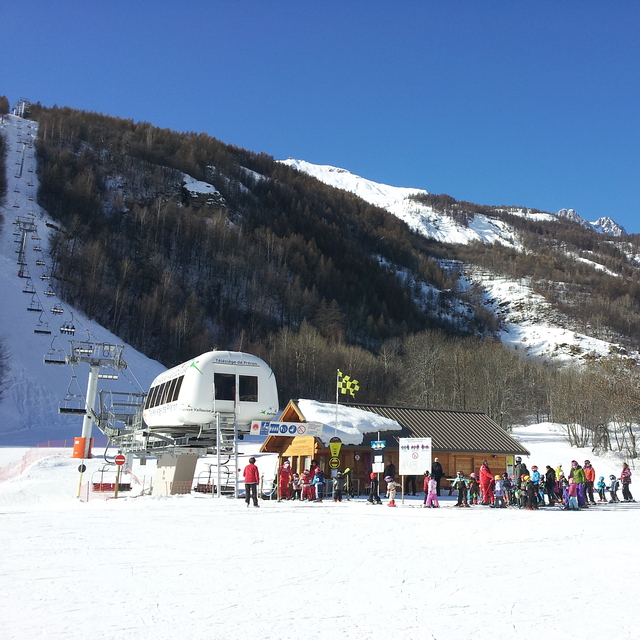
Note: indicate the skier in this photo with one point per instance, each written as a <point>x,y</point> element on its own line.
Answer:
<point>613,489</point>
<point>306,485</point>
<point>498,492</point>
<point>392,487</point>
<point>531,495</point>
<point>550,485</point>
<point>318,483</point>
<point>625,479</point>
<point>430,491</point>
<point>437,473</point>
<point>313,469</point>
<point>577,473</point>
<point>339,484</point>
<point>535,478</point>
<point>590,477</point>
<point>474,489</point>
<point>251,475</point>
<point>297,487</point>
<point>601,487</point>
<point>573,496</point>
<point>285,477</point>
<point>486,481</point>
<point>374,497</point>
<point>461,483</point>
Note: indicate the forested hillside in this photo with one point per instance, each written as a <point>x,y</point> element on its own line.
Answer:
<point>311,278</point>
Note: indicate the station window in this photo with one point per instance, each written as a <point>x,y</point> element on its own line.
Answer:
<point>176,390</point>
<point>225,385</point>
<point>249,388</point>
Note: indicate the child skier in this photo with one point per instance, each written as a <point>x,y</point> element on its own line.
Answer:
<point>306,485</point>
<point>431,492</point>
<point>531,494</point>
<point>498,492</point>
<point>318,483</point>
<point>374,496</point>
<point>613,489</point>
<point>601,488</point>
<point>461,484</point>
<point>297,487</point>
<point>392,488</point>
<point>339,483</point>
<point>474,489</point>
<point>507,489</point>
<point>573,496</point>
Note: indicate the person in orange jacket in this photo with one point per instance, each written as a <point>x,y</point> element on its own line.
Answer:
<point>590,475</point>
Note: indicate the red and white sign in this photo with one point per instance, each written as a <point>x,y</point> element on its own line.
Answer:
<point>120,459</point>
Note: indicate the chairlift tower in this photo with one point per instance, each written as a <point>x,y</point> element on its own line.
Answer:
<point>25,226</point>
<point>96,355</point>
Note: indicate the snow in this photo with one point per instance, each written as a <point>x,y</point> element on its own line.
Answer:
<point>193,567</point>
<point>196,187</point>
<point>29,406</point>
<point>349,423</point>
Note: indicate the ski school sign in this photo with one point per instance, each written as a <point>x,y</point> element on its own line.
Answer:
<point>415,456</point>
<point>290,429</point>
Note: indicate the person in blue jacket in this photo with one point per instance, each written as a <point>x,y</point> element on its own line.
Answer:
<point>318,482</point>
<point>460,483</point>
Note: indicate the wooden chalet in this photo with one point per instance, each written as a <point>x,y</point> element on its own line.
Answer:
<point>461,440</point>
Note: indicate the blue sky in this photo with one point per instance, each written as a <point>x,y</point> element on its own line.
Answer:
<point>511,102</point>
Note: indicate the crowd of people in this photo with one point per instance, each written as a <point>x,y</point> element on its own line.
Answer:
<point>532,489</point>
<point>308,486</point>
<point>525,489</point>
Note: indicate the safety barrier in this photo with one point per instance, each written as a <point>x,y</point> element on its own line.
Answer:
<point>14,469</point>
<point>42,450</point>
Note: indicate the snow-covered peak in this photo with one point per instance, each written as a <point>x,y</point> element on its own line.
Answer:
<point>603,225</point>
<point>608,226</point>
<point>381,195</point>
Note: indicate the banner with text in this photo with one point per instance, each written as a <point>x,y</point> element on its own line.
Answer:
<point>415,456</point>
<point>266,428</point>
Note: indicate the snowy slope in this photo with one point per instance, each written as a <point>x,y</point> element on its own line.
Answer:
<point>195,567</point>
<point>529,324</point>
<point>29,408</point>
<point>420,218</point>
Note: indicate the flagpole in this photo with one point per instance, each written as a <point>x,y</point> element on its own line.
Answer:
<point>335,426</point>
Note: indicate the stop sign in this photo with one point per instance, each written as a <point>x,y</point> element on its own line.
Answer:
<point>120,460</point>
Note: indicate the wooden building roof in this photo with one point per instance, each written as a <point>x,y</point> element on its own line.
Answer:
<point>454,431</point>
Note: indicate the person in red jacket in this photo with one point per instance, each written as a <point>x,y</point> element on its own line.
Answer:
<point>251,475</point>
<point>285,478</point>
<point>486,483</point>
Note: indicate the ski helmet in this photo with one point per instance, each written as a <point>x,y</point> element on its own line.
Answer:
<point>388,479</point>
<point>497,477</point>
<point>612,477</point>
